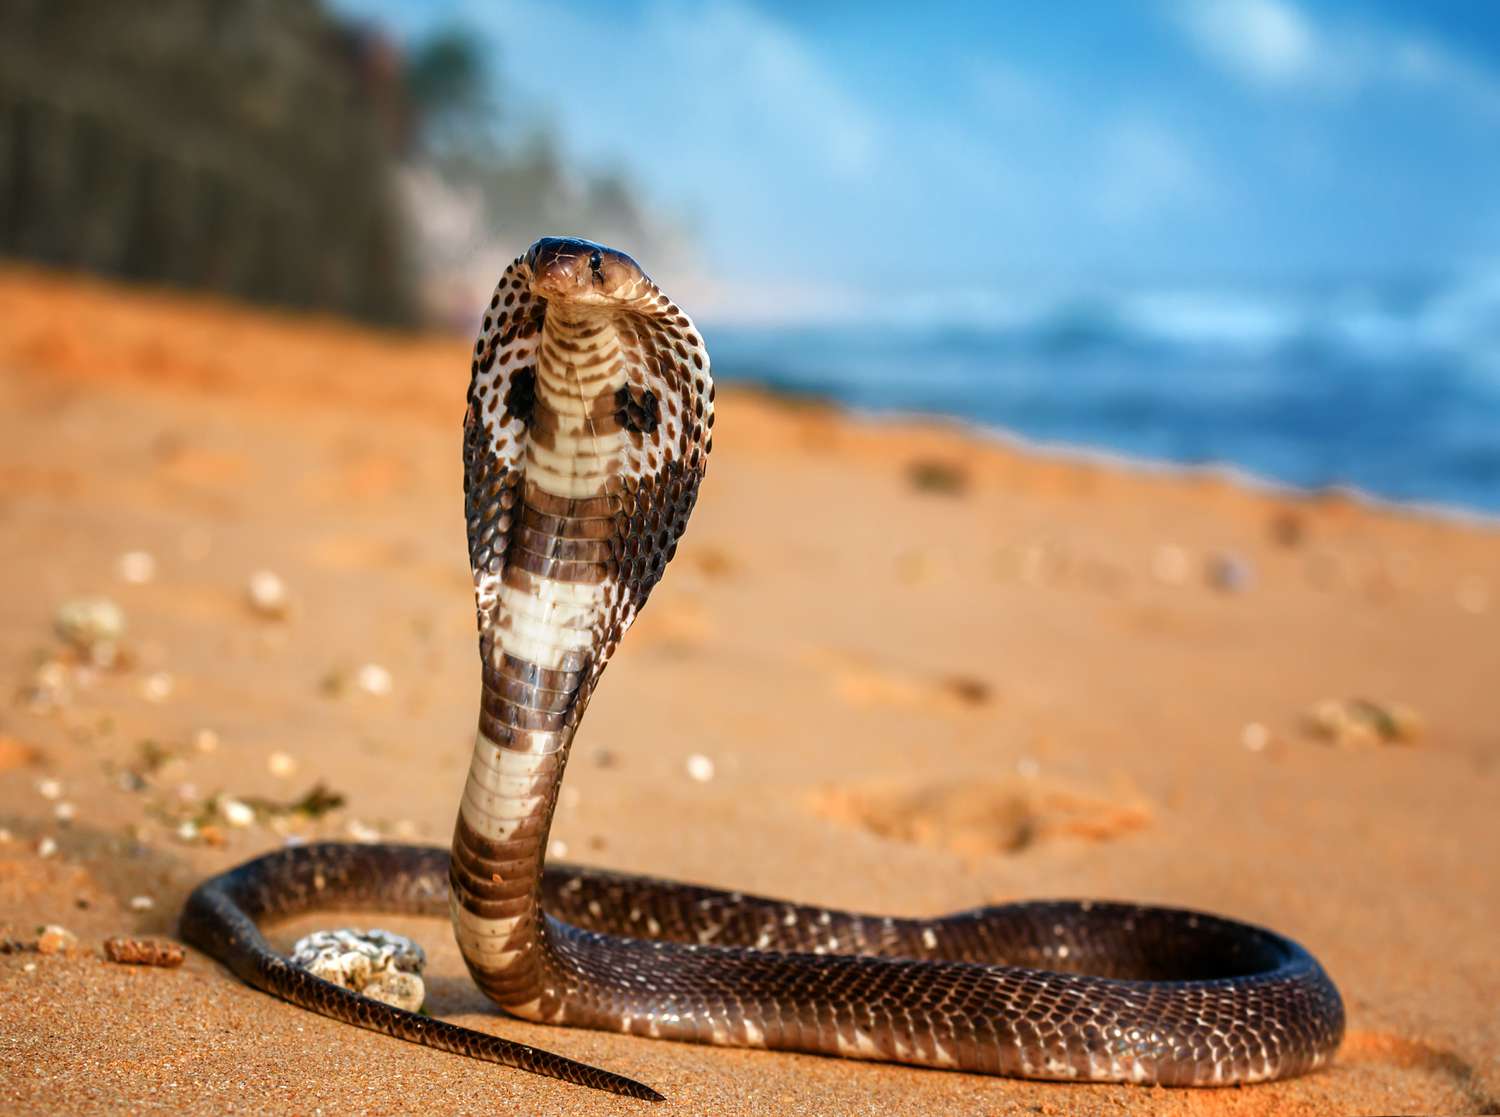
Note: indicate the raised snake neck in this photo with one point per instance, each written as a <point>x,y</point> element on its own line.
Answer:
<point>590,416</point>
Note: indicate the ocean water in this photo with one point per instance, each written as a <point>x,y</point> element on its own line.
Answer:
<point>1390,389</point>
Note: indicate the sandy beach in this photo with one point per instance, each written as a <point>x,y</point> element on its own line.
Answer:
<point>927,672</point>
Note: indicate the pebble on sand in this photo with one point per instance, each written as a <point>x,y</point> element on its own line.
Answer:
<point>373,679</point>
<point>46,847</point>
<point>157,686</point>
<point>361,832</point>
<point>267,594</point>
<point>1358,721</point>
<point>136,567</point>
<point>700,768</point>
<point>281,765</point>
<point>56,940</point>
<point>1230,573</point>
<point>92,625</point>
<point>380,964</point>
<point>236,813</point>
<point>142,903</point>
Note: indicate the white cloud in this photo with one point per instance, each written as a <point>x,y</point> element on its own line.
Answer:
<point>675,78</point>
<point>1266,42</point>
<point>1273,44</point>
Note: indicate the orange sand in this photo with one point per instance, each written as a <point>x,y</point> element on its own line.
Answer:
<point>1011,680</point>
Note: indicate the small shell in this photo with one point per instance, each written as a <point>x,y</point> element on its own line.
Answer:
<point>93,625</point>
<point>56,940</point>
<point>267,594</point>
<point>382,965</point>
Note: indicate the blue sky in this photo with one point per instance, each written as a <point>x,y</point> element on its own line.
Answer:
<point>845,146</point>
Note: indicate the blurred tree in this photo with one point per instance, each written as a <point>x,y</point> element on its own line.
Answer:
<point>448,86</point>
<point>482,188</point>
<point>244,147</point>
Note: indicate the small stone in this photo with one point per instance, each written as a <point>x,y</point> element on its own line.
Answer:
<point>136,567</point>
<point>236,813</point>
<point>45,847</point>
<point>92,625</point>
<point>361,832</point>
<point>49,788</point>
<point>157,687</point>
<point>1028,768</point>
<point>142,903</point>
<point>373,679</point>
<point>143,952</point>
<point>187,831</point>
<point>56,940</point>
<point>557,848</point>
<point>1255,737</point>
<point>281,764</point>
<point>1360,722</point>
<point>1230,573</point>
<point>206,740</point>
<point>700,768</point>
<point>267,594</point>
<point>65,812</point>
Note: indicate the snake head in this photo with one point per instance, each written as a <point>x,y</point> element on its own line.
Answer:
<point>571,270</point>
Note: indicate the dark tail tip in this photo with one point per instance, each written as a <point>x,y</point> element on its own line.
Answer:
<point>619,1084</point>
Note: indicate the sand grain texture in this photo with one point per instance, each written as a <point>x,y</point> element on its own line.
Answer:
<point>916,697</point>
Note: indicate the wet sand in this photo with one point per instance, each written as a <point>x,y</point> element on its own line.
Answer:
<point>929,672</point>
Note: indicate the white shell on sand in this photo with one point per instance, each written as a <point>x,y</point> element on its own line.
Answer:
<point>382,965</point>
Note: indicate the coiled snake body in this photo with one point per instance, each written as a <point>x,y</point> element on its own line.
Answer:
<point>590,418</point>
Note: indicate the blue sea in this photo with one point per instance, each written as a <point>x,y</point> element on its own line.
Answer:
<point>1392,389</point>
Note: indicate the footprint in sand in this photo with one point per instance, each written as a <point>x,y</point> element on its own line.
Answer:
<point>859,682</point>
<point>981,820</point>
<point>673,626</point>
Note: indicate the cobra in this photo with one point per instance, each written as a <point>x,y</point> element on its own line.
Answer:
<point>589,425</point>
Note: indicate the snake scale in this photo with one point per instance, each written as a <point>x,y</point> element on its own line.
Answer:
<point>589,424</point>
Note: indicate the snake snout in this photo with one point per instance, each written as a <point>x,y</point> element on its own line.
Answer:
<point>569,269</point>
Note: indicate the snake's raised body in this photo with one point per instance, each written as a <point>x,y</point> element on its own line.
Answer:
<point>590,418</point>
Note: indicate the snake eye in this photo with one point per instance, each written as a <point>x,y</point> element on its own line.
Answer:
<point>596,261</point>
